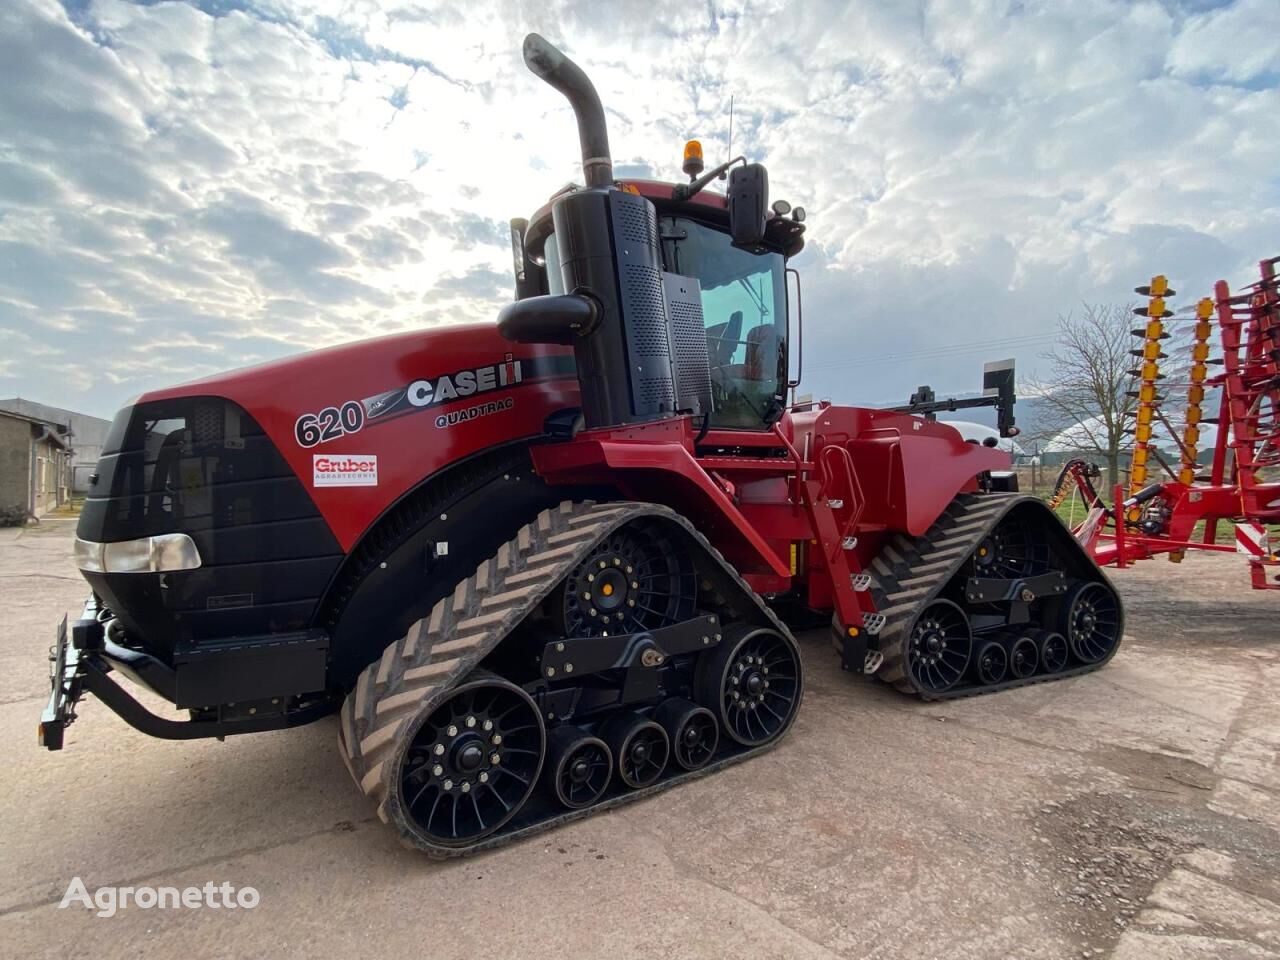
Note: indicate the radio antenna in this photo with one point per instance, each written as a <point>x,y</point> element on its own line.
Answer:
<point>730,153</point>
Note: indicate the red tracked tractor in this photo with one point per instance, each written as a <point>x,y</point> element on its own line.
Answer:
<point>534,566</point>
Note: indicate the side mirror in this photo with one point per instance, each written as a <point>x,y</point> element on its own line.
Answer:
<point>998,382</point>
<point>748,196</point>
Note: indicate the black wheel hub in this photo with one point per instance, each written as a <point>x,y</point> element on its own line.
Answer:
<point>642,752</point>
<point>579,767</point>
<point>754,683</point>
<point>1092,622</point>
<point>472,763</point>
<point>1011,550</point>
<point>1053,652</point>
<point>992,662</point>
<point>939,647</point>
<point>636,579</point>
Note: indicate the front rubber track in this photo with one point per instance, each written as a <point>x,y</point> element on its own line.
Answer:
<point>396,693</point>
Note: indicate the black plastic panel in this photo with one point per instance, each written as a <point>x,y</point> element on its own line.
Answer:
<point>689,341</point>
<point>202,466</point>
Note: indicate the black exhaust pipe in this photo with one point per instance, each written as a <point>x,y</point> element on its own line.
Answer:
<point>549,63</point>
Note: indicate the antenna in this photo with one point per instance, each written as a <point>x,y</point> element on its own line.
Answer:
<point>730,153</point>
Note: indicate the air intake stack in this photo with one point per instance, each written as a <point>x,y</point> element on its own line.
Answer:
<point>618,313</point>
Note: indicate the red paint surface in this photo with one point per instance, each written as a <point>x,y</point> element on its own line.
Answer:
<point>409,446</point>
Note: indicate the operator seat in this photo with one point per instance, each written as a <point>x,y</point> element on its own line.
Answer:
<point>762,353</point>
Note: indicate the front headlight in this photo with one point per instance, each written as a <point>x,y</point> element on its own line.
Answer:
<point>162,554</point>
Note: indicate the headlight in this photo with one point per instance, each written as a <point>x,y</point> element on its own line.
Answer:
<point>89,555</point>
<point>162,554</point>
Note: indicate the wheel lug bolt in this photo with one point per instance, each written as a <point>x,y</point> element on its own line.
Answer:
<point>586,595</point>
<point>591,578</point>
<point>496,740</point>
<point>466,787</point>
<point>471,721</point>
<point>495,759</point>
<point>736,695</point>
<point>484,777</point>
<point>448,784</point>
<point>635,584</point>
<point>603,565</point>
<point>617,562</point>
<point>488,724</point>
<point>451,730</point>
<point>592,611</point>
<point>628,569</point>
<point>438,749</point>
<point>437,770</point>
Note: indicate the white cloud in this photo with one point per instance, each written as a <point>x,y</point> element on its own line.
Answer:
<point>179,189</point>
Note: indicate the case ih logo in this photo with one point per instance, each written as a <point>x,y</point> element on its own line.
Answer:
<point>344,470</point>
<point>464,383</point>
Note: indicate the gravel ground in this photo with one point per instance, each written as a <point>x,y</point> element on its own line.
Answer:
<point>1132,813</point>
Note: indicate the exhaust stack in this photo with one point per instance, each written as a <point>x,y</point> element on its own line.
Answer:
<point>551,65</point>
<point>637,332</point>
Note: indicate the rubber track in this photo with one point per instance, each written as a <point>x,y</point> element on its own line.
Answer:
<point>415,674</point>
<point>910,572</point>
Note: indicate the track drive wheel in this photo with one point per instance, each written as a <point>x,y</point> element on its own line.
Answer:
<point>752,682</point>
<point>1089,617</point>
<point>938,647</point>
<point>468,767</point>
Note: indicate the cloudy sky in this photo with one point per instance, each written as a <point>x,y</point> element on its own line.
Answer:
<point>188,187</point>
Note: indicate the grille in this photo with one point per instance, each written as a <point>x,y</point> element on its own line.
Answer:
<point>637,221</point>
<point>656,390</point>
<point>642,294</point>
<point>692,373</point>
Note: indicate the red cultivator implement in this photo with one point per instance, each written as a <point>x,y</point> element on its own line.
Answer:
<point>1242,484</point>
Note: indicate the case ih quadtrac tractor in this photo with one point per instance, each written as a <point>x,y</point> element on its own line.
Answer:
<point>534,565</point>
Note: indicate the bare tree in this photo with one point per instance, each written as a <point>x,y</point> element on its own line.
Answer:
<point>1086,393</point>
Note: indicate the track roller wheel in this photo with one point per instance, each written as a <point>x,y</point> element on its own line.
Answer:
<point>939,647</point>
<point>991,663</point>
<point>693,730</point>
<point>1053,651</point>
<point>640,746</point>
<point>1090,618</point>
<point>1024,657</point>
<point>579,767</point>
<point>752,682</point>
<point>469,767</point>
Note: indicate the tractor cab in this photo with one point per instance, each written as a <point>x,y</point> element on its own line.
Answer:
<point>673,299</point>
<point>743,292</point>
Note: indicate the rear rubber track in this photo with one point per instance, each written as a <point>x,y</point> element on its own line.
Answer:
<point>910,572</point>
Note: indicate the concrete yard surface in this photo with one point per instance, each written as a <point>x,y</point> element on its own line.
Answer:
<point>1132,813</point>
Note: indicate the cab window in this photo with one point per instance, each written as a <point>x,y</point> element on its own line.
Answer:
<point>744,309</point>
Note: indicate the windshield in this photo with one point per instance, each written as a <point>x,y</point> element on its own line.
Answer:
<point>744,309</point>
